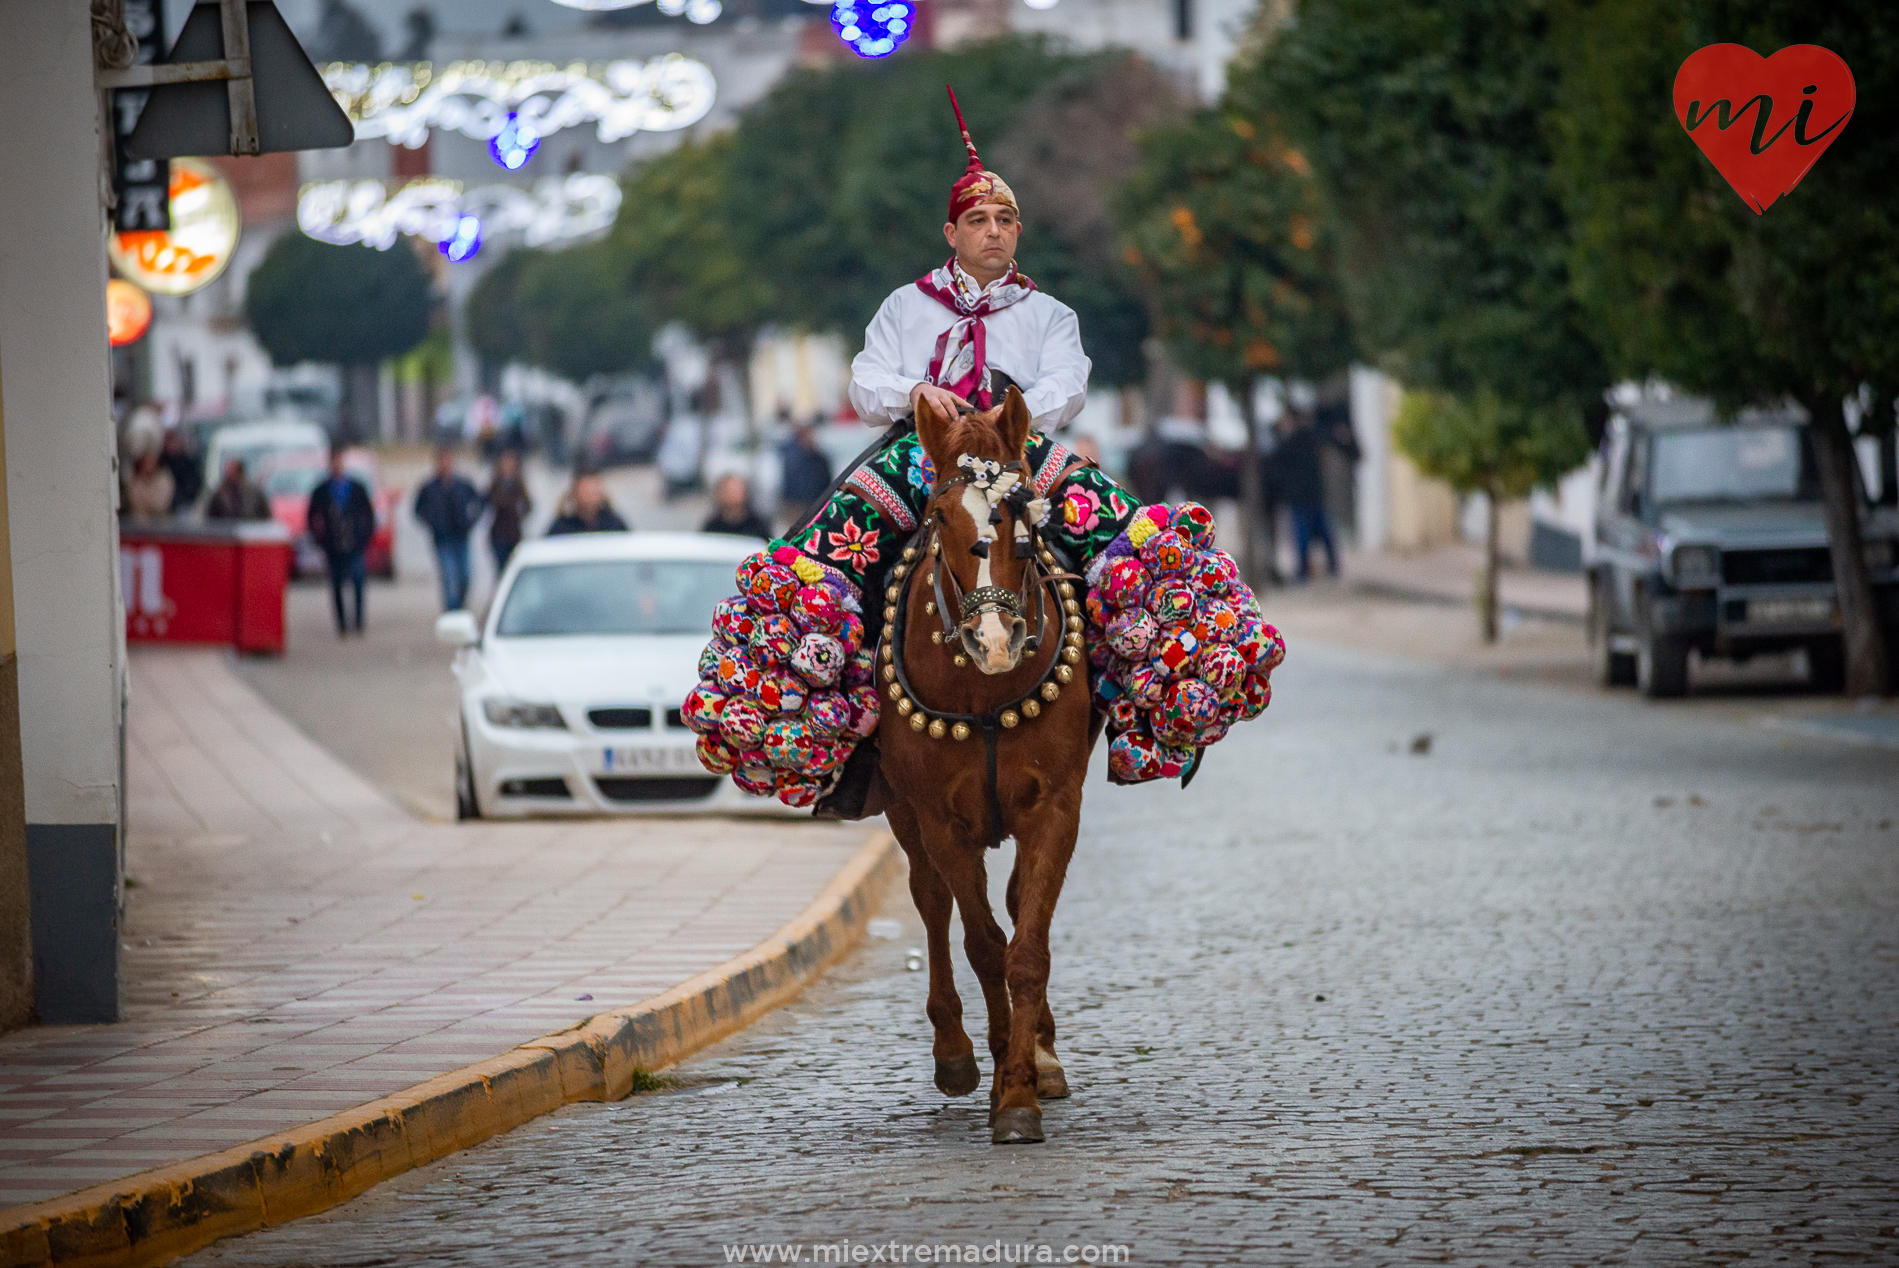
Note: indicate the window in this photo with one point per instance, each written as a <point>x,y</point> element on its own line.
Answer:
<point>615,596</point>
<point>1734,464</point>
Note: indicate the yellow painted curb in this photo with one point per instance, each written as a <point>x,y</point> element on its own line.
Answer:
<point>158,1215</point>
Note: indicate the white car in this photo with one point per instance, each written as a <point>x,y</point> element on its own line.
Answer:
<point>570,693</point>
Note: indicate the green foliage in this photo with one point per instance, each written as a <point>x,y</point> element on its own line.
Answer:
<point>1225,222</point>
<point>1481,444</point>
<point>491,315</point>
<point>350,305</point>
<point>1679,275</point>
<point>582,313</point>
<point>1424,123</point>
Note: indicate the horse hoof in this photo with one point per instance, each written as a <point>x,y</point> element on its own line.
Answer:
<point>959,1076</point>
<point>1017,1127</point>
<point>1051,1084</point>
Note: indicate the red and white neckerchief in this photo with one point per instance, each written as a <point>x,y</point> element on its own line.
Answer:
<point>960,362</point>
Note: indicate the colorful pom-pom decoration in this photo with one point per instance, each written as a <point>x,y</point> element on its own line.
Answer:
<point>701,710</point>
<point>1194,523</point>
<point>1131,632</point>
<point>716,755</point>
<point>774,587</point>
<point>819,658</point>
<point>774,639</point>
<point>1165,554</point>
<point>742,723</point>
<point>816,608</point>
<point>1134,758</point>
<point>828,712</point>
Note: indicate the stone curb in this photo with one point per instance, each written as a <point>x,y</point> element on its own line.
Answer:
<point>157,1215</point>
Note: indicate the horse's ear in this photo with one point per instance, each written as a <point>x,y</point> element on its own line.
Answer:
<point>1012,425</point>
<point>933,428</point>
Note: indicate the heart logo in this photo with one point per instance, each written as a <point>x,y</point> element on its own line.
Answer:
<point>1763,121</point>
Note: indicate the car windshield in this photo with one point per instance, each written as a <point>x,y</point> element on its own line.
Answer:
<point>615,596</point>
<point>284,481</point>
<point>1734,464</point>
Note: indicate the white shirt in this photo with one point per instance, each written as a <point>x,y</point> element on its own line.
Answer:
<point>1036,341</point>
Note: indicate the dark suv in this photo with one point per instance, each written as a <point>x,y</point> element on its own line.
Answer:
<point>1711,536</point>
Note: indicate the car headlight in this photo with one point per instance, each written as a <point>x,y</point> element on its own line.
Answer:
<point>1697,565</point>
<point>1880,553</point>
<point>504,712</point>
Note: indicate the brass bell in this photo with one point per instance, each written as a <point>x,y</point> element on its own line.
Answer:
<point>890,614</point>
<point>936,636</point>
<point>917,720</point>
<point>900,571</point>
<point>1066,590</point>
<point>1010,717</point>
<point>1064,674</point>
<point>1049,689</point>
<point>1073,640</point>
<point>932,578</point>
<point>962,661</point>
<point>896,692</point>
<point>909,553</point>
<point>890,672</point>
<point>888,651</point>
<point>1072,655</point>
<point>1071,607</point>
<point>1074,623</point>
<point>905,705</point>
<point>1048,558</point>
<point>937,729</point>
<point>936,545</point>
<point>891,593</point>
<point>930,607</point>
<point>960,731</point>
<point>1031,708</point>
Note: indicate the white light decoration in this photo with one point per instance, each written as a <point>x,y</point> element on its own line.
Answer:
<point>403,101</point>
<point>560,209</point>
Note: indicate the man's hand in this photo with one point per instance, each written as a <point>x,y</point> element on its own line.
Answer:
<point>941,399</point>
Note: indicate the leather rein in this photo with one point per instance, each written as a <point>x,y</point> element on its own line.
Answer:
<point>925,551</point>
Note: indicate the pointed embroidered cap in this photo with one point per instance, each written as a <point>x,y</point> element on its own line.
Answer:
<point>976,185</point>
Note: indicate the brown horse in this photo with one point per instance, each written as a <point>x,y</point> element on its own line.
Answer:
<point>986,732</point>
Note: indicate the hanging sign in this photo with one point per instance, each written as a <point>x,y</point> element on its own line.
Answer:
<point>202,237</point>
<point>140,184</point>
<point>1763,121</point>
<point>128,312</point>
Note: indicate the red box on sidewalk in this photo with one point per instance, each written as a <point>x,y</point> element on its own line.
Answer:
<point>216,582</point>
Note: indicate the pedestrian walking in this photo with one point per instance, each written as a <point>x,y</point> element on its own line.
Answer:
<point>1299,477</point>
<point>585,509</point>
<point>508,499</point>
<point>450,505</point>
<point>237,496</point>
<point>733,513</point>
<point>341,521</point>
<point>807,473</point>
<point>148,489</point>
<point>187,471</point>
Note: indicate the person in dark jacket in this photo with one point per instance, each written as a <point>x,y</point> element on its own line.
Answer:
<point>1299,478</point>
<point>508,497</point>
<point>237,496</point>
<point>341,521</point>
<point>585,509</point>
<point>187,471</point>
<point>450,505</point>
<point>806,475</point>
<point>734,513</point>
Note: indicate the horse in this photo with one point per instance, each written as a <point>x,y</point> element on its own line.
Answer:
<point>985,732</point>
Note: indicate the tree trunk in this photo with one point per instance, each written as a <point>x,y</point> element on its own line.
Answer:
<point>1867,672</point>
<point>361,406</point>
<point>1489,596</point>
<point>1252,500</point>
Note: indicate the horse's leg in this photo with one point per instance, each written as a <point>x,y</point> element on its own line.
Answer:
<point>961,867</point>
<point>1042,851</point>
<point>1051,1081</point>
<point>957,1073</point>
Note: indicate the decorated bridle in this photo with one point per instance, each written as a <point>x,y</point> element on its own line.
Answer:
<point>1001,483</point>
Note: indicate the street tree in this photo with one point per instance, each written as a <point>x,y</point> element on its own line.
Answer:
<point>1425,125</point>
<point>1226,226</point>
<point>1484,444</point>
<point>349,306</point>
<point>1683,280</point>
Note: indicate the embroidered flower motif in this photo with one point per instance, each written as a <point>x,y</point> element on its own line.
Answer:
<point>982,471</point>
<point>853,546</point>
<point>1116,507</point>
<point>921,473</point>
<point>1081,510</point>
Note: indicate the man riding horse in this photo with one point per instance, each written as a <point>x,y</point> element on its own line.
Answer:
<point>957,338</point>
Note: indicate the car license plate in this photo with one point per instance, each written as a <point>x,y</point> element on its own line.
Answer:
<point>1790,611</point>
<point>649,761</point>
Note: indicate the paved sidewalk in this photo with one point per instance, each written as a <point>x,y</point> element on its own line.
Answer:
<point>1448,575</point>
<point>297,945</point>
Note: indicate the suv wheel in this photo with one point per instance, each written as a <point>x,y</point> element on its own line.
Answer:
<point>1661,662</point>
<point>466,805</point>
<point>1826,665</point>
<point>1613,668</point>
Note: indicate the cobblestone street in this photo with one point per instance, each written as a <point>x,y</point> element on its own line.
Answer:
<point>1426,966</point>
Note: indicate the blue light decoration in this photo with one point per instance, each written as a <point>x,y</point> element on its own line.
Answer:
<point>515,143</point>
<point>464,242</point>
<point>873,29</point>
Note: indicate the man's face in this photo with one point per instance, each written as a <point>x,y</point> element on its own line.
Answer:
<point>233,471</point>
<point>445,465</point>
<point>732,494</point>
<point>588,494</point>
<point>984,238</point>
<point>336,464</point>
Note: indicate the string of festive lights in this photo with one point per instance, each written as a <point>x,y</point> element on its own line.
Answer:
<point>559,209</point>
<point>873,28</point>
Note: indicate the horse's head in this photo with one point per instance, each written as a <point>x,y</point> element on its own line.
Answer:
<point>982,506</point>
